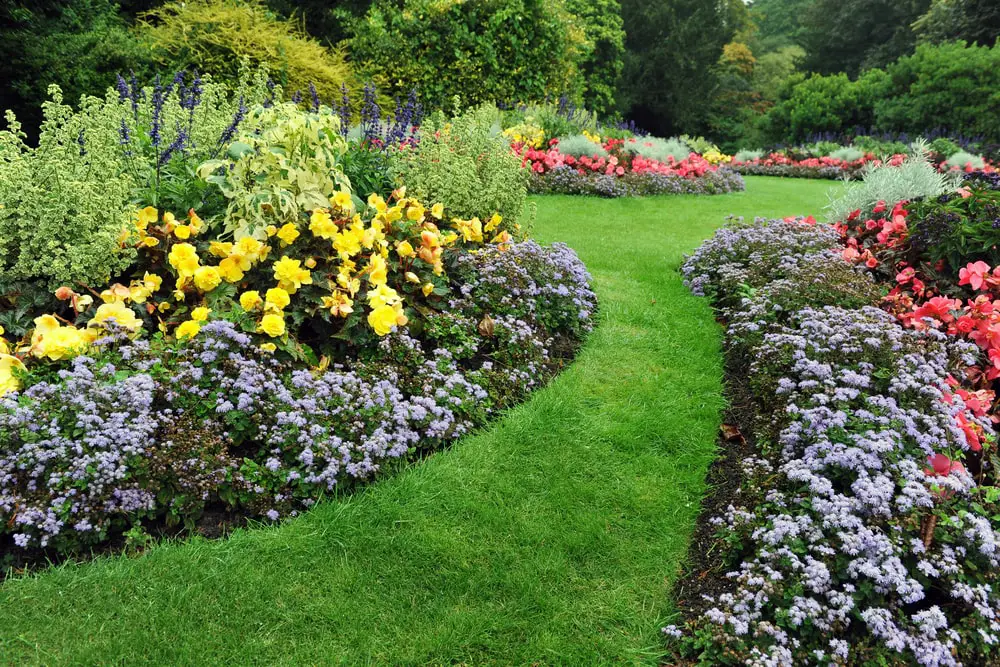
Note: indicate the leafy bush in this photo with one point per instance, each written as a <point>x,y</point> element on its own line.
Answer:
<point>880,146</point>
<point>945,147</point>
<point>951,85</point>
<point>518,50</point>
<point>847,154</point>
<point>465,164</point>
<point>914,177</point>
<point>64,204</point>
<point>216,36</point>
<point>748,155</point>
<point>79,45</point>
<point>602,54</point>
<point>826,104</point>
<point>661,150</point>
<point>578,145</point>
<point>963,160</point>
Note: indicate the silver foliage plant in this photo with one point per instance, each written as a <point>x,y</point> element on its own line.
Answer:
<point>915,177</point>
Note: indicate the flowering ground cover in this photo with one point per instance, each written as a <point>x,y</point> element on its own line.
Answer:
<point>557,531</point>
<point>860,523</point>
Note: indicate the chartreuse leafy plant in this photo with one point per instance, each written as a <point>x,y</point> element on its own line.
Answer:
<point>465,162</point>
<point>216,36</point>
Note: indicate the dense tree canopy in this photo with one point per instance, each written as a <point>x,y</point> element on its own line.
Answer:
<point>672,48</point>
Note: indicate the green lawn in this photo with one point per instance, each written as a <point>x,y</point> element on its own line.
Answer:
<point>551,537</point>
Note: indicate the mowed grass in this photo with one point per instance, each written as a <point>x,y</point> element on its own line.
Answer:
<point>552,537</point>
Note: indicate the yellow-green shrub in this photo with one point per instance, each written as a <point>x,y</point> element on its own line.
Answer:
<point>216,35</point>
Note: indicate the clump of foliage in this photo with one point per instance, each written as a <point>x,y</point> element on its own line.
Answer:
<point>216,36</point>
<point>467,163</point>
<point>64,203</point>
<point>578,145</point>
<point>914,177</point>
<point>490,50</point>
<point>661,150</point>
<point>964,160</point>
<point>79,45</point>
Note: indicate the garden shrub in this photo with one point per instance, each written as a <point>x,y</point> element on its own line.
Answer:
<point>518,50</point>
<point>217,36</point>
<point>951,85</point>
<point>914,177</point>
<point>79,45</point>
<point>465,164</point>
<point>748,155</point>
<point>847,154</point>
<point>965,160</point>
<point>602,52</point>
<point>64,203</point>
<point>579,145</point>
<point>661,150</point>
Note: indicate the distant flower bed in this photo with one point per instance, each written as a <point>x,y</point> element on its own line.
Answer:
<point>865,529</point>
<point>792,165</point>
<point>617,169</point>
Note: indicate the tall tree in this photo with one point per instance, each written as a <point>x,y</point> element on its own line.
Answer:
<point>672,47</point>
<point>779,23</point>
<point>974,21</point>
<point>852,35</point>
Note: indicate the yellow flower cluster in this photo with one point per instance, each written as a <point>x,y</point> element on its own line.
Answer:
<point>527,134</point>
<point>393,253</point>
<point>596,138</point>
<point>717,157</point>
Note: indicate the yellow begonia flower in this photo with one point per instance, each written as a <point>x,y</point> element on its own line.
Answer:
<point>343,201</point>
<point>493,223</point>
<point>377,271</point>
<point>220,249</point>
<point>382,319</point>
<point>404,249</point>
<point>427,289</point>
<point>383,295</point>
<point>288,233</point>
<point>437,210</point>
<point>194,221</point>
<point>411,277</point>
<point>268,347</point>
<point>200,314</point>
<point>290,274</point>
<point>207,278</point>
<point>122,315</point>
<point>151,282</point>
<point>250,248</point>
<point>184,258</point>
<point>146,216</point>
<point>271,230</point>
<point>151,241</point>
<point>230,270</point>
<point>415,212</point>
<point>8,380</point>
<point>182,232</point>
<point>276,298</point>
<point>310,262</point>
<point>339,304</point>
<point>472,231</point>
<point>322,225</point>
<point>54,341</point>
<point>187,329</point>
<point>272,324</point>
<point>250,300</point>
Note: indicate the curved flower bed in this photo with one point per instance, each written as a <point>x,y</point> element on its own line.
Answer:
<point>623,174</point>
<point>778,164</point>
<point>865,529</point>
<point>291,337</point>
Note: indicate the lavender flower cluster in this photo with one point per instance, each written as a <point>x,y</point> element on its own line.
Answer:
<point>846,544</point>
<point>141,430</point>
<point>568,180</point>
<point>743,256</point>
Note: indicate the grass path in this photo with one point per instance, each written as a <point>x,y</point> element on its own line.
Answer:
<point>551,538</point>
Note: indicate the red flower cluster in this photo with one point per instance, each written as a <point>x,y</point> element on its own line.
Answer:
<point>619,162</point>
